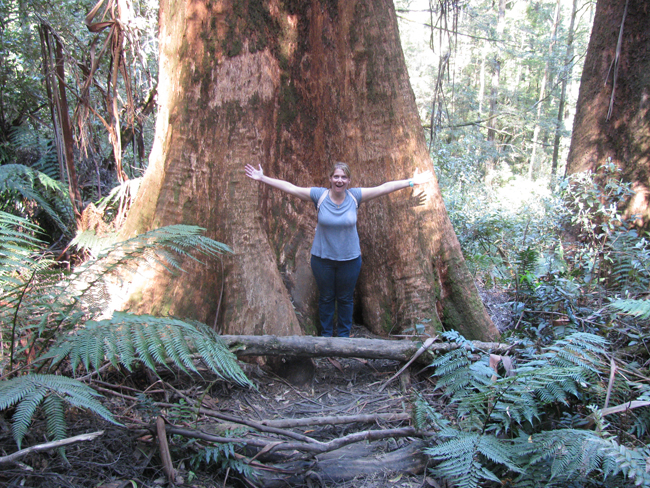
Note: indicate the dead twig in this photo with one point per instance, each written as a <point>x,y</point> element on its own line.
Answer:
<point>12,458</point>
<point>427,344</point>
<point>165,455</point>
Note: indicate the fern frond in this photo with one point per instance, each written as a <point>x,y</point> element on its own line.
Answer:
<point>578,349</point>
<point>53,407</point>
<point>89,241</point>
<point>154,248</point>
<point>632,463</point>
<point>637,308</point>
<point>124,191</point>
<point>25,411</point>
<point>464,458</point>
<point>49,194</point>
<point>17,245</point>
<point>223,457</point>
<point>425,417</point>
<point>126,338</point>
<point>29,391</point>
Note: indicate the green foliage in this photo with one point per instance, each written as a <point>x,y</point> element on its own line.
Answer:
<point>20,184</point>
<point>463,458</point>
<point>507,423</point>
<point>52,311</point>
<point>638,308</point>
<point>28,392</point>
<point>222,458</point>
<point>126,339</point>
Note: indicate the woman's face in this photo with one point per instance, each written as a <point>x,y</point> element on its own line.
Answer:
<point>339,181</point>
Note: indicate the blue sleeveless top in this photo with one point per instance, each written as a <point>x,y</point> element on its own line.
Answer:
<point>336,233</point>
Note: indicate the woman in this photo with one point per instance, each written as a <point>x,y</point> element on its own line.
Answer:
<point>335,253</point>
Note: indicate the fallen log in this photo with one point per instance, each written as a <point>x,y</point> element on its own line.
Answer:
<point>311,347</point>
<point>348,463</point>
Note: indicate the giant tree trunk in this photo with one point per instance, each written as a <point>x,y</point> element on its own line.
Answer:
<point>613,111</point>
<point>294,86</point>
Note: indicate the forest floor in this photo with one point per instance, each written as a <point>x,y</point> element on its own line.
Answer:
<point>343,389</point>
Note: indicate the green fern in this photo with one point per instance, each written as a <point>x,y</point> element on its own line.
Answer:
<point>28,392</point>
<point>490,408</point>
<point>44,301</point>
<point>50,195</point>
<point>426,417</point>
<point>637,308</point>
<point>222,456</point>
<point>126,339</point>
<point>62,300</point>
<point>17,246</point>
<point>464,458</point>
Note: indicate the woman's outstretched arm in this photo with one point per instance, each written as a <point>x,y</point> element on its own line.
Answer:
<point>290,188</point>
<point>391,186</point>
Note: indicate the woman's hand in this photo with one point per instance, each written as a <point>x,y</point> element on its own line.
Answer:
<point>255,174</point>
<point>421,178</point>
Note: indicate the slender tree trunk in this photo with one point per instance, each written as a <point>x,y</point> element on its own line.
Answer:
<point>532,166</point>
<point>54,73</point>
<point>566,76</point>
<point>613,114</point>
<point>494,84</point>
<point>481,89</point>
<point>294,87</point>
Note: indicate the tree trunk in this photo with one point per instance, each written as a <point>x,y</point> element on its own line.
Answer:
<point>533,167</point>
<point>613,113</point>
<point>565,76</point>
<point>494,87</point>
<point>294,87</point>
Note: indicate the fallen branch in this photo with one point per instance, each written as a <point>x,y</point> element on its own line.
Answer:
<point>165,455</point>
<point>337,420</point>
<point>625,407</point>
<point>427,344</point>
<point>11,458</point>
<point>309,447</point>
<point>309,346</point>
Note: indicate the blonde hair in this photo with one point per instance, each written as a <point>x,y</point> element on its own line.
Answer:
<point>342,166</point>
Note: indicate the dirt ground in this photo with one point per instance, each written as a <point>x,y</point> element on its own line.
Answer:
<point>129,456</point>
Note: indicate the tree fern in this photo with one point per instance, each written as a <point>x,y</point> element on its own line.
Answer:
<point>17,245</point>
<point>29,391</point>
<point>45,301</point>
<point>63,299</point>
<point>490,408</point>
<point>126,339</point>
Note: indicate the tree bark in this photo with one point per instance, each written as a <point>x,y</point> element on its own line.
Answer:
<point>294,87</point>
<point>613,110</point>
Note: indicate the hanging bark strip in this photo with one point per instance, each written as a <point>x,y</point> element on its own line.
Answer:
<point>115,40</point>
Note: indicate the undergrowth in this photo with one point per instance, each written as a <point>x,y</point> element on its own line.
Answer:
<point>50,314</point>
<point>570,406</point>
<point>537,420</point>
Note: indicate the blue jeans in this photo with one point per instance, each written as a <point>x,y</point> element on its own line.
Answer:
<point>336,281</point>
